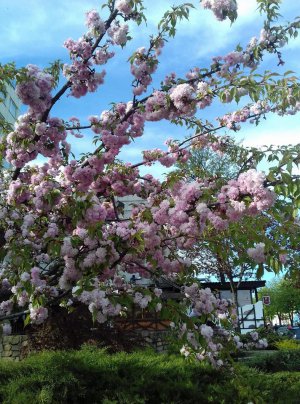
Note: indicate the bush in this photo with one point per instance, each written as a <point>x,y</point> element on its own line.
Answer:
<point>277,361</point>
<point>92,376</point>
<point>288,345</point>
<point>257,387</point>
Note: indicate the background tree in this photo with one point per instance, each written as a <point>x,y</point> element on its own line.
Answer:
<point>285,300</point>
<point>224,255</point>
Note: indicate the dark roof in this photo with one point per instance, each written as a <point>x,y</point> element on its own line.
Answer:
<point>247,285</point>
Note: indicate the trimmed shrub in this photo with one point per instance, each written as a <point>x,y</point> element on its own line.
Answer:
<point>277,361</point>
<point>259,388</point>
<point>92,376</point>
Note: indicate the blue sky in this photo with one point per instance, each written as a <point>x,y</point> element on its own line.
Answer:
<point>33,31</point>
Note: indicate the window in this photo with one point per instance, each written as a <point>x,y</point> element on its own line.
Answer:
<point>13,108</point>
<point>13,83</point>
<point>2,97</point>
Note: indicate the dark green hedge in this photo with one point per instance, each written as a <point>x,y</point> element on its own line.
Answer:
<point>276,362</point>
<point>94,376</point>
<point>270,388</point>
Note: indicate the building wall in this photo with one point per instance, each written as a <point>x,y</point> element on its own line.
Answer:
<point>251,316</point>
<point>10,108</point>
<point>128,203</point>
<point>244,296</point>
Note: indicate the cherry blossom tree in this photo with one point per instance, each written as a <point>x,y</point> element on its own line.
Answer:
<point>66,239</point>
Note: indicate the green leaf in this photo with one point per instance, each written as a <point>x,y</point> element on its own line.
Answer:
<point>260,271</point>
<point>27,320</point>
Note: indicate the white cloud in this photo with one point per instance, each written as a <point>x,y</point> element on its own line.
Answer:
<point>276,137</point>
<point>275,130</point>
<point>247,9</point>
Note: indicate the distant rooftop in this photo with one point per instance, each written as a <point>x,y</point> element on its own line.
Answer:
<point>246,285</point>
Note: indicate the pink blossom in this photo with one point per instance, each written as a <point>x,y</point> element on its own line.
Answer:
<point>206,331</point>
<point>94,22</point>
<point>124,6</point>
<point>38,314</point>
<point>257,253</point>
<point>118,33</point>
<point>220,8</point>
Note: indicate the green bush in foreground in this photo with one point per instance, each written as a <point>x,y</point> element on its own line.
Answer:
<point>93,376</point>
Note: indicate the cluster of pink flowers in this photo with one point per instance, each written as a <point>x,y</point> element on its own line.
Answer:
<point>220,8</point>
<point>81,48</point>
<point>6,307</point>
<point>180,100</point>
<point>207,342</point>
<point>156,107</point>
<point>143,65</point>
<point>83,52</point>
<point>38,314</point>
<point>164,158</point>
<point>117,128</point>
<point>101,56</point>
<point>98,303</point>
<point>249,183</point>
<point>29,139</point>
<point>204,96</point>
<point>83,78</point>
<point>118,33</point>
<point>256,343</point>
<point>124,6</point>
<point>35,91</point>
<point>142,300</point>
<point>257,253</point>
<point>252,182</point>
<point>204,301</point>
<point>94,22</point>
<point>232,120</point>
<point>268,38</point>
<point>183,98</point>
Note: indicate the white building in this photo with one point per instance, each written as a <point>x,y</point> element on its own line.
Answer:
<point>10,104</point>
<point>250,309</point>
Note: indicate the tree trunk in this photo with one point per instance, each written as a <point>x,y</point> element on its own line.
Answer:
<point>279,318</point>
<point>222,277</point>
<point>234,292</point>
<point>291,318</point>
